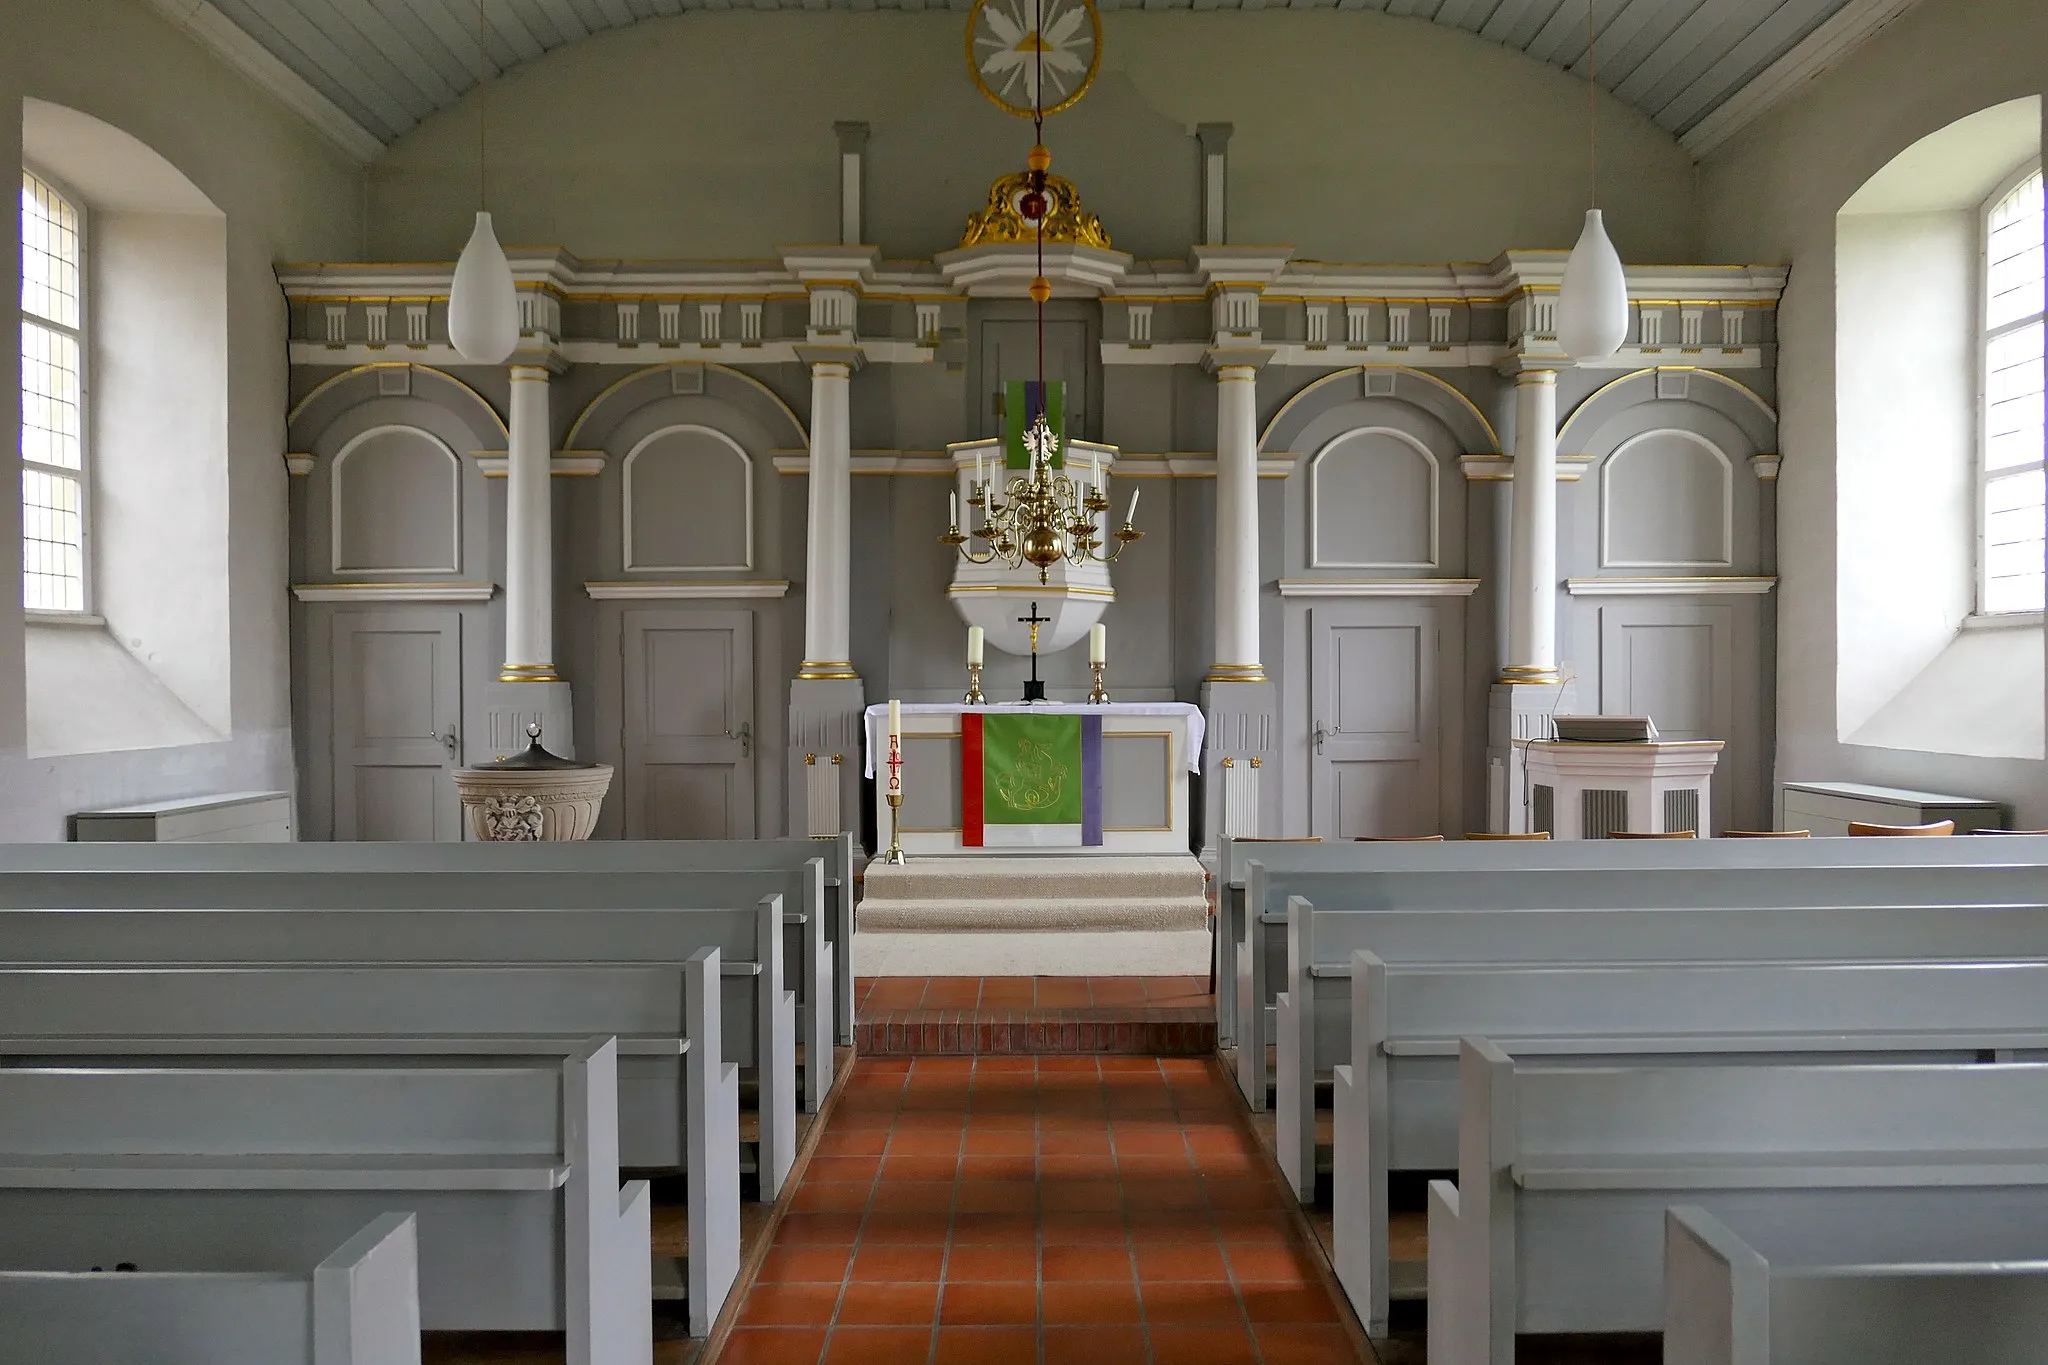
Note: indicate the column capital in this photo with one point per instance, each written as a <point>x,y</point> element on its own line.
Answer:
<point>823,359</point>
<point>1247,361</point>
<point>1526,377</point>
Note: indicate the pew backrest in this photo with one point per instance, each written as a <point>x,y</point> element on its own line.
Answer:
<point>358,1306</point>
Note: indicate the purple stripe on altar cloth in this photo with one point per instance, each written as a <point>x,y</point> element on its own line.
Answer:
<point>1091,781</point>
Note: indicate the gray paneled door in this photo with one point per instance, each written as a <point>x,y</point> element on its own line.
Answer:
<point>1690,666</point>
<point>1375,747</point>
<point>689,724</point>
<point>397,707</point>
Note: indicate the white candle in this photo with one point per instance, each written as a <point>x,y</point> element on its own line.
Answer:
<point>953,502</point>
<point>980,479</point>
<point>974,638</point>
<point>1098,643</point>
<point>1132,515</point>
<point>1095,469</point>
<point>895,722</point>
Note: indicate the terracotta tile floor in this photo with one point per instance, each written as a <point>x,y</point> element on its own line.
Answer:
<point>1039,1210</point>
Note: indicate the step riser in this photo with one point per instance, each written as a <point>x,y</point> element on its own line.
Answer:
<point>940,1033</point>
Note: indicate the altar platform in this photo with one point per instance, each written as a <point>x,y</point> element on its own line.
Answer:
<point>1060,778</point>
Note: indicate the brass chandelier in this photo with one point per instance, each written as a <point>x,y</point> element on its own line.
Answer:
<point>1044,515</point>
<point>1040,517</point>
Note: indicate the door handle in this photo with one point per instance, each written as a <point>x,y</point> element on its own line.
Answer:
<point>450,741</point>
<point>745,735</point>
<point>1319,736</point>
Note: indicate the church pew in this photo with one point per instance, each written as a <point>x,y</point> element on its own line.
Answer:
<point>639,855</point>
<point>811,975</point>
<point>1628,883</point>
<point>510,1168</point>
<point>1234,856</point>
<point>359,1305</point>
<point>758,1014</point>
<point>1556,1221</point>
<point>1849,1293</point>
<point>1396,1100</point>
<point>677,1110</point>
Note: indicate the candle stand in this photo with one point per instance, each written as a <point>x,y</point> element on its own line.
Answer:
<point>1098,697</point>
<point>974,697</point>
<point>894,857</point>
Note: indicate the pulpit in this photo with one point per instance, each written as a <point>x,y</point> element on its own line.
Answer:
<point>1013,779</point>
<point>1588,789</point>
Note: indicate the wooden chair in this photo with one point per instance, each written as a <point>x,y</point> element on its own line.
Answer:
<point>1397,839</point>
<point>1766,834</point>
<point>1644,834</point>
<point>1539,834</point>
<point>1939,829</point>
<point>2009,831</point>
<point>1297,839</point>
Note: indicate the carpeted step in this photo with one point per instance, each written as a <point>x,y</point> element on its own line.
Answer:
<point>1039,893</point>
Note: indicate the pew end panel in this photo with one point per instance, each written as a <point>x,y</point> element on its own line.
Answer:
<point>775,1060</point>
<point>1716,1293</point>
<point>713,1138</point>
<point>1360,1155</point>
<point>1450,1329</point>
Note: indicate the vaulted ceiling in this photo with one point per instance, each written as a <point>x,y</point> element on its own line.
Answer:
<point>1698,67</point>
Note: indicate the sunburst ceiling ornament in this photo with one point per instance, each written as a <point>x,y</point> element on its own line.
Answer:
<point>1014,44</point>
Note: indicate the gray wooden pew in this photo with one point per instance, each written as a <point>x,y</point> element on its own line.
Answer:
<point>654,855</point>
<point>359,1305</point>
<point>1556,1223</point>
<point>811,973</point>
<point>1397,1100</point>
<point>758,1013</point>
<point>677,1103</point>
<point>1235,856</point>
<point>1848,1293</point>
<point>1262,956</point>
<point>510,1168</point>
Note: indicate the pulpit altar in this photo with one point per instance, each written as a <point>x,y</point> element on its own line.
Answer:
<point>1063,778</point>
<point>1589,790</point>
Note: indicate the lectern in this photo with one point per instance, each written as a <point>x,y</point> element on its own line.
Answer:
<point>1580,789</point>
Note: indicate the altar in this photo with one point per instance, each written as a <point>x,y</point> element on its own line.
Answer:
<point>1063,778</point>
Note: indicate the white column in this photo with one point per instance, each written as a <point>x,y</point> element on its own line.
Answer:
<point>529,534</point>
<point>827,595</point>
<point>1532,567</point>
<point>1237,526</point>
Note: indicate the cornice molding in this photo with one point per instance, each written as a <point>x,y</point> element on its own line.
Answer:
<point>224,38</point>
<point>1729,586</point>
<point>1378,587</point>
<point>394,592</point>
<point>688,590</point>
<point>1820,52</point>
<point>563,464</point>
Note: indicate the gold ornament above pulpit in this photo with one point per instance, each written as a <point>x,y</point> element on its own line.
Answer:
<point>1005,223</point>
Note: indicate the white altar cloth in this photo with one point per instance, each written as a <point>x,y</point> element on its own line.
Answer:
<point>878,719</point>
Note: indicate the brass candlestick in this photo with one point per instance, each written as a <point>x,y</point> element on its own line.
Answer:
<point>894,857</point>
<point>974,697</point>
<point>1098,697</point>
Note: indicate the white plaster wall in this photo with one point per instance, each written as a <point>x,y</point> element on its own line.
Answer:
<point>1358,137</point>
<point>1772,194</point>
<point>286,195</point>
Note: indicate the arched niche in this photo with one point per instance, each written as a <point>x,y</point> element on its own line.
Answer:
<point>1291,429</point>
<point>688,485</point>
<point>1613,412</point>
<point>1667,502</point>
<point>387,444</point>
<point>687,502</point>
<point>1372,501</point>
<point>396,504</point>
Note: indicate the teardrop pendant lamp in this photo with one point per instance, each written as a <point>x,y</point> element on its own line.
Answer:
<point>1592,303</point>
<point>483,302</point>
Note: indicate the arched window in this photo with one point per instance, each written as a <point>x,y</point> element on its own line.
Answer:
<point>53,453</point>
<point>2011,466</point>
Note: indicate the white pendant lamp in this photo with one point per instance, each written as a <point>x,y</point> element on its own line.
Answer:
<point>1592,302</point>
<point>483,302</point>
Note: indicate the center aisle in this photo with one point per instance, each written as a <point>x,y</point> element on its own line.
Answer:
<point>1004,1210</point>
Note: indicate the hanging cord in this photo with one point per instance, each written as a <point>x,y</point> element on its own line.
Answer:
<point>1040,183</point>
<point>1592,108</point>
<point>483,101</point>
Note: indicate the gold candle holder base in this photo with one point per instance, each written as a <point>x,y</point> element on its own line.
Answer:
<point>894,857</point>
<point>974,697</point>
<point>1098,697</point>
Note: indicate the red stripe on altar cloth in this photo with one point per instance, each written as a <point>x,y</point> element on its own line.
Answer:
<point>970,780</point>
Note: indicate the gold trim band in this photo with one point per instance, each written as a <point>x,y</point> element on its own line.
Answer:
<point>521,673</point>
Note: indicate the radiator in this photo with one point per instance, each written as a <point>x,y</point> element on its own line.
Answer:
<point>1543,809</point>
<point>1682,809</point>
<point>821,795</point>
<point>1602,810</point>
<point>1241,798</point>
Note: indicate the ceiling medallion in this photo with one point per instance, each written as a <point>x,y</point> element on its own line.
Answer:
<point>1004,221</point>
<point>1015,46</point>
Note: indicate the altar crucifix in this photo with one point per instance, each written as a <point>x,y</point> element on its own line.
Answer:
<point>1034,687</point>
